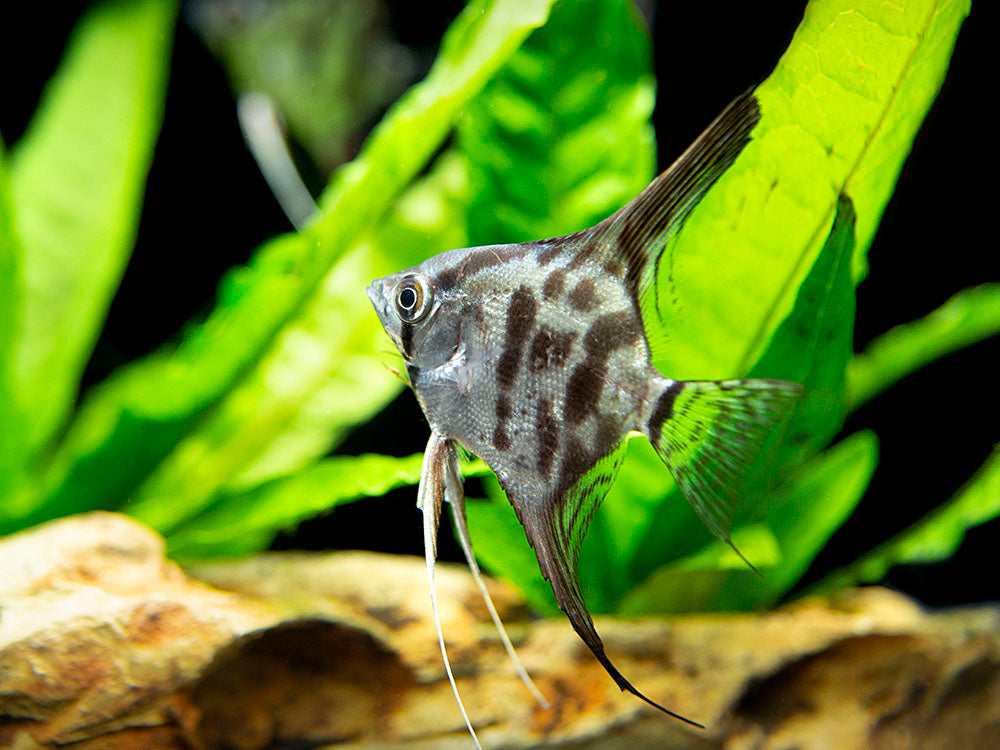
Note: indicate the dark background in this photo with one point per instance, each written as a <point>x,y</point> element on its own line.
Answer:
<point>935,428</point>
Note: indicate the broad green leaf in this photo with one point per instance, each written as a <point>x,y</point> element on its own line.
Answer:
<point>324,373</point>
<point>319,368</point>
<point>805,511</point>
<point>77,177</point>
<point>243,523</point>
<point>935,537</point>
<point>839,114</point>
<point>813,345</point>
<point>970,316</point>
<point>128,426</point>
<point>562,137</point>
<point>11,297</point>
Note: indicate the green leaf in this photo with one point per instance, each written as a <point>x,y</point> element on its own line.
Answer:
<point>805,511</point>
<point>562,137</point>
<point>77,179</point>
<point>934,537</point>
<point>839,114</point>
<point>11,297</point>
<point>813,345</point>
<point>244,523</point>
<point>133,422</point>
<point>970,316</point>
<point>322,375</point>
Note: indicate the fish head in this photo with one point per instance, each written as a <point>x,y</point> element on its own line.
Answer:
<point>418,316</point>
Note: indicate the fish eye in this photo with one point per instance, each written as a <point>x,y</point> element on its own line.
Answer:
<point>413,299</point>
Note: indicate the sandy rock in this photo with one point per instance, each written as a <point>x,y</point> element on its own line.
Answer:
<point>105,644</point>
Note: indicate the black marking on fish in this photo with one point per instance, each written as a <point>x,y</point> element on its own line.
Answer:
<point>663,411</point>
<point>550,348</point>
<point>548,436</point>
<point>501,438</point>
<point>554,283</point>
<point>584,295</point>
<point>611,331</point>
<point>447,279</point>
<point>406,339</point>
<point>583,391</point>
<point>520,321</point>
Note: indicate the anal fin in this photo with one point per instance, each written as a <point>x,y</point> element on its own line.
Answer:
<point>555,527</point>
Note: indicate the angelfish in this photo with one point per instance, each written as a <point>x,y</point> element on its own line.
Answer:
<point>534,357</point>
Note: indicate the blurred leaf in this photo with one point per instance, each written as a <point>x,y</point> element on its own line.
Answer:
<point>562,137</point>
<point>342,48</point>
<point>839,114</point>
<point>77,179</point>
<point>805,511</point>
<point>11,298</point>
<point>934,537</point>
<point>970,316</point>
<point>343,338</point>
<point>323,375</point>
<point>132,422</point>
<point>244,523</point>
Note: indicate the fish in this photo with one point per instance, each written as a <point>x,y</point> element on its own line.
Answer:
<point>537,358</point>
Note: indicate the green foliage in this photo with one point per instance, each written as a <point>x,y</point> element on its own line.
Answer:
<point>970,316</point>
<point>934,537</point>
<point>221,410</point>
<point>561,137</point>
<point>807,508</point>
<point>219,440</point>
<point>77,180</point>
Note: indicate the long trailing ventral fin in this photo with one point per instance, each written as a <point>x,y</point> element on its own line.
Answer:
<point>441,479</point>
<point>455,496</point>
<point>429,497</point>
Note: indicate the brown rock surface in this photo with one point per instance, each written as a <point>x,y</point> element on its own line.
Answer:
<point>105,644</point>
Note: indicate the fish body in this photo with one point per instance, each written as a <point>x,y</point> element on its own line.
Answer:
<point>535,357</point>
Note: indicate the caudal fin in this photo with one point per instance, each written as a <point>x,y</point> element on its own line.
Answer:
<point>708,433</point>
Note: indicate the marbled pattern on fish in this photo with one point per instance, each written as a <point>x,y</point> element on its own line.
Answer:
<point>535,358</point>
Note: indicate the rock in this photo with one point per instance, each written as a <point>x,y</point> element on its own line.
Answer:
<point>105,644</point>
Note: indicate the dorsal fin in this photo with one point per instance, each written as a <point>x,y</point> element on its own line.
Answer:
<point>636,235</point>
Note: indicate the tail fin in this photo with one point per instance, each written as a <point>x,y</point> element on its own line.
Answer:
<point>709,432</point>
